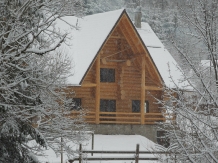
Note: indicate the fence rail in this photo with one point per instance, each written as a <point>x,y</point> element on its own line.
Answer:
<point>120,117</point>
<point>136,155</point>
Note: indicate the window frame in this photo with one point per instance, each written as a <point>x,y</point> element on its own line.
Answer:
<point>147,106</point>
<point>136,102</point>
<point>105,77</point>
<point>108,100</point>
<point>138,110</point>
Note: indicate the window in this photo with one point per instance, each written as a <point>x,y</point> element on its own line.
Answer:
<point>136,106</point>
<point>107,75</point>
<point>107,105</point>
<point>146,107</point>
<point>76,104</point>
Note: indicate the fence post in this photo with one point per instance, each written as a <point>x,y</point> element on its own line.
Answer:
<point>80,153</point>
<point>137,154</point>
<point>92,142</point>
<point>62,150</point>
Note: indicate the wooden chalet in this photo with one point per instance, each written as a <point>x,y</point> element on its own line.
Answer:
<point>118,69</point>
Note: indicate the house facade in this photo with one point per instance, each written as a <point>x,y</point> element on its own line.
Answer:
<point>119,70</point>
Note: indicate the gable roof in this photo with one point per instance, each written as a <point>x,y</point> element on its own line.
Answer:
<point>84,44</point>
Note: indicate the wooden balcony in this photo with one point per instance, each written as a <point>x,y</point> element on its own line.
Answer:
<point>121,117</point>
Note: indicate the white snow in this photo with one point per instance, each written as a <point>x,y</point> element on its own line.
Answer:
<point>206,63</point>
<point>109,142</point>
<point>161,57</point>
<point>84,44</point>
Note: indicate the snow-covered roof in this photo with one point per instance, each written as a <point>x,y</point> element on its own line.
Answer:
<point>161,57</point>
<point>84,44</point>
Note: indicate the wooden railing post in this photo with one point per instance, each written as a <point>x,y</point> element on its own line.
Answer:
<point>80,153</point>
<point>92,142</point>
<point>137,154</point>
<point>97,90</point>
<point>62,158</point>
<point>142,105</point>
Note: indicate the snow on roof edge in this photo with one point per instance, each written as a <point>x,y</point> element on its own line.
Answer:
<point>86,55</point>
<point>123,10</point>
<point>138,34</point>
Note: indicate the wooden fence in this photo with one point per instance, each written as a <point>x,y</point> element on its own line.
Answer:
<point>121,117</point>
<point>136,155</point>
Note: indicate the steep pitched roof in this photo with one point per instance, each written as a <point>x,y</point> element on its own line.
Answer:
<point>161,56</point>
<point>84,44</point>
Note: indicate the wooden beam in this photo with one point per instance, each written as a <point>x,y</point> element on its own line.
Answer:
<point>116,60</point>
<point>117,37</point>
<point>97,90</point>
<point>142,106</point>
<point>127,63</point>
<point>133,44</point>
<point>108,38</point>
<point>154,88</point>
<point>156,82</point>
<point>142,46</point>
<point>104,61</point>
<point>89,85</point>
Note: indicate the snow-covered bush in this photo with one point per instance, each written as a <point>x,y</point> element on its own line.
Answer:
<point>32,98</point>
<point>193,130</point>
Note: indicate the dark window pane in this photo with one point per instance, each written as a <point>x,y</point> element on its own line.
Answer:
<point>135,106</point>
<point>107,75</point>
<point>107,105</point>
<point>147,107</point>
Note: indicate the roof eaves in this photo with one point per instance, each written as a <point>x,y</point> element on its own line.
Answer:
<point>144,46</point>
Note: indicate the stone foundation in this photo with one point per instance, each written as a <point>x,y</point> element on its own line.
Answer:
<point>149,131</point>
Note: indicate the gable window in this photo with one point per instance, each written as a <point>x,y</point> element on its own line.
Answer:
<point>76,104</point>
<point>107,75</point>
<point>136,106</point>
<point>107,105</point>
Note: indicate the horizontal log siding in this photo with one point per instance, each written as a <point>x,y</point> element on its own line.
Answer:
<point>127,83</point>
<point>131,82</point>
<point>153,107</point>
<point>90,76</point>
<point>108,90</point>
<point>87,97</point>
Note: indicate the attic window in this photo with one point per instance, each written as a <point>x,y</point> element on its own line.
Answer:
<point>107,75</point>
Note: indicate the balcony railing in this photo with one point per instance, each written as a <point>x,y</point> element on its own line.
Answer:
<point>121,117</point>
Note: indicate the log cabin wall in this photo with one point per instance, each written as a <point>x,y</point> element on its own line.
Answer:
<point>119,54</point>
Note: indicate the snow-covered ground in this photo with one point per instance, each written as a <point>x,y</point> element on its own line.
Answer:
<point>109,142</point>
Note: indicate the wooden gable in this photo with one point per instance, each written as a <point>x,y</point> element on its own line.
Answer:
<point>125,52</point>
<point>124,47</point>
